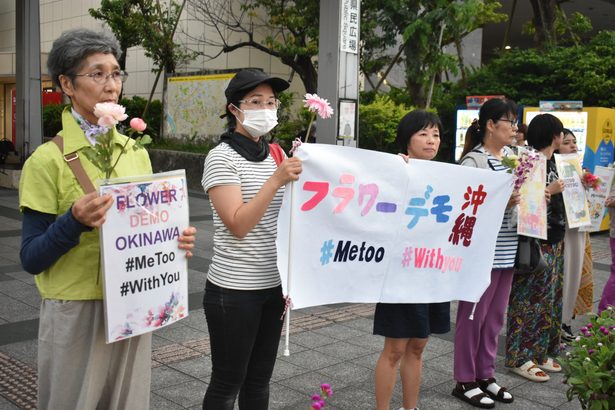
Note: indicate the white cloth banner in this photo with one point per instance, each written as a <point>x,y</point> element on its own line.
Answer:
<point>364,226</point>
<point>145,275</point>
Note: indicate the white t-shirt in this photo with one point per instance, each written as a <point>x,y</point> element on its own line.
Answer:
<point>248,263</point>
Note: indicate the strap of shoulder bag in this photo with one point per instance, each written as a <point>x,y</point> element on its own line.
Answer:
<point>74,163</point>
<point>486,158</point>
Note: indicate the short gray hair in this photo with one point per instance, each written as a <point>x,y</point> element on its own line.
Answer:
<point>73,46</point>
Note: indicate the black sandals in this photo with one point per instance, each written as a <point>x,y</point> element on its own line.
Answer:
<point>502,394</point>
<point>472,393</point>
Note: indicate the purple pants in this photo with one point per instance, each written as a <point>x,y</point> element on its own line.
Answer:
<point>476,341</point>
<point>608,294</point>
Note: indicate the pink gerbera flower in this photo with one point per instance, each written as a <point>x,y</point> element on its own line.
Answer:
<point>319,105</point>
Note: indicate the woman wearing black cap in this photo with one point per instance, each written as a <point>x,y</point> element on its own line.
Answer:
<point>243,299</point>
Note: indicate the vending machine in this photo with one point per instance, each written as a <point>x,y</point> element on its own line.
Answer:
<point>465,116</point>
<point>593,127</point>
<point>464,119</point>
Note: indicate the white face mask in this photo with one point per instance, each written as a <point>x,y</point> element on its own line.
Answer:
<point>259,122</point>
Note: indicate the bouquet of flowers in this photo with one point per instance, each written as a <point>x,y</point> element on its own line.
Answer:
<point>101,154</point>
<point>589,180</point>
<point>318,400</point>
<point>520,166</point>
<point>589,363</point>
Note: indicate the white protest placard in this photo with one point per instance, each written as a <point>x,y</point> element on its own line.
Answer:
<point>569,170</point>
<point>596,197</point>
<point>364,226</point>
<point>532,208</point>
<point>145,275</point>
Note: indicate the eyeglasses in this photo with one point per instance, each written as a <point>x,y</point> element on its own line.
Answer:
<point>271,104</point>
<point>512,122</point>
<point>101,78</point>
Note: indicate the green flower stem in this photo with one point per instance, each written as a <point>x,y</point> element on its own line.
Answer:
<point>307,133</point>
<point>118,157</point>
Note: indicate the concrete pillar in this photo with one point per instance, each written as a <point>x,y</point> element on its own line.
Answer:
<point>29,124</point>
<point>338,70</point>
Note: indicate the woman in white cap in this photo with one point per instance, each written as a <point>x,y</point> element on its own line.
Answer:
<point>243,299</point>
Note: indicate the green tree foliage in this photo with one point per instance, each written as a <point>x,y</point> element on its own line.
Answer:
<point>584,72</point>
<point>153,117</point>
<point>148,23</point>
<point>289,30</point>
<point>158,26</point>
<point>378,121</point>
<point>425,26</point>
<point>52,119</point>
<point>124,22</point>
<point>550,26</point>
<point>284,29</point>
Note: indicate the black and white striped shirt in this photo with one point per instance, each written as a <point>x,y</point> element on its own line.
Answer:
<point>248,263</point>
<point>507,241</point>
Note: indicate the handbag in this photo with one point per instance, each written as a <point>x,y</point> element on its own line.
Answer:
<point>529,257</point>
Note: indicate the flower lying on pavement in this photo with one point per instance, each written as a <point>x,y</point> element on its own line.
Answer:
<point>318,400</point>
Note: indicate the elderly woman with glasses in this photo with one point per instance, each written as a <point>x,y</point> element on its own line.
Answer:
<point>243,296</point>
<point>60,241</point>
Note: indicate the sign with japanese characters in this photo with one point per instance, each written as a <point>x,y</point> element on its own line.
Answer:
<point>365,226</point>
<point>349,26</point>
<point>596,197</point>
<point>145,275</point>
<point>575,200</point>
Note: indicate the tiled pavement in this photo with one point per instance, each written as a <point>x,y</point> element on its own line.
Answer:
<point>330,344</point>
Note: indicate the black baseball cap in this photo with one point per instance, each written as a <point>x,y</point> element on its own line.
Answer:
<point>248,79</point>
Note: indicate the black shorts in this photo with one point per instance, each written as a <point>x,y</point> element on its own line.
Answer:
<point>412,320</point>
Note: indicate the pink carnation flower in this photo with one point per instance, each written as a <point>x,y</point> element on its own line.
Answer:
<point>106,121</point>
<point>138,124</point>
<point>109,114</point>
<point>316,104</point>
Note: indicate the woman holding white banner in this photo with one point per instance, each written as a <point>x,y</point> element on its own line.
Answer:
<point>406,326</point>
<point>535,310</point>
<point>243,299</point>
<point>478,324</point>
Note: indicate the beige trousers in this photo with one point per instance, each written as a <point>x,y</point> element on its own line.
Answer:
<point>78,370</point>
<point>574,252</point>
